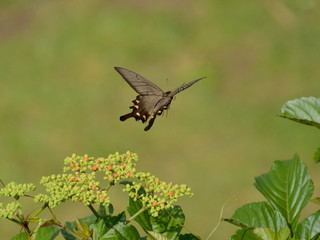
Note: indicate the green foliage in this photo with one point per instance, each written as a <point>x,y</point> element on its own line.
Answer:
<point>88,180</point>
<point>287,188</point>
<point>303,110</point>
<point>316,157</point>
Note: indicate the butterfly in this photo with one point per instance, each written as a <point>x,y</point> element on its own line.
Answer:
<point>151,101</point>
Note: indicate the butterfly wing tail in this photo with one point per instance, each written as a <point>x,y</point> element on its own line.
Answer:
<point>150,122</point>
<point>126,116</point>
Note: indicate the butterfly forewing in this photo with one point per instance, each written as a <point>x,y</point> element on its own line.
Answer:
<point>140,84</point>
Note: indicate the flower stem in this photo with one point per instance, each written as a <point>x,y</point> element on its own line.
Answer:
<point>136,214</point>
<point>94,211</point>
<point>40,210</point>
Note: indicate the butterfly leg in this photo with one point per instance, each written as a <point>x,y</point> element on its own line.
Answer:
<point>150,122</point>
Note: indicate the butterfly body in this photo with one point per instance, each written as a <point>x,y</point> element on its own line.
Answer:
<point>151,101</point>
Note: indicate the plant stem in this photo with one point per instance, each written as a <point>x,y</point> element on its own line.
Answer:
<point>2,183</point>
<point>15,221</point>
<point>220,218</point>
<point>68,230</point>
<point>94,211</point>
<point>40,210</point>
<point>136,214</point>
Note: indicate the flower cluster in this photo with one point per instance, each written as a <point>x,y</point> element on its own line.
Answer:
<point>155,194</point>
<point>79,180</point>
<point>11,210</point>
<point>16,190</point>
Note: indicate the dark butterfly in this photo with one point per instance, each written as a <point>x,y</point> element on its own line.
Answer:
<point>151,99</point>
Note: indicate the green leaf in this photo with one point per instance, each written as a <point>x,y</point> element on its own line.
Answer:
<point>20,236</point>
<point>303,110</point>
<point>47,233</point>
<point>99,229</point>
<point>188,236</point>
<point>316,156</point>
<point>158,236</point>
<point>143,218</point>
<point>267,234</point>
<point>259,214</point>
<point>122,232</point>
<point>105,212</point>
<point>264,233</point>
<point>287,187</point>
<point>309,228</point>
<point>72,226</point>
<point>283,234</point>
<point>244,234</point>
<point>167,225</point>
<point>83,230</point>
<point>104,225</point>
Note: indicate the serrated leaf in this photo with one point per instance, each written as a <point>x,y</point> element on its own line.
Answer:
<point>121,232</point>
<point>167,225</point>
<point>235,222</point>
<point>83,229</point>
<point>287,187</point>
<point>72,226</point>
<point>259,214</point>
<point>47,233</point>
<point>264,233</point>
<point>188,236</point>
<point>143,218</point>
<point>244,234</point>
<point>316,156</point>
<point>303,110</point>
<point>283,234</point>
<point>309,227</point>
<point>99,229</point>
<point>268,234</point>
<point>20,236</point>
<point>158,236</point>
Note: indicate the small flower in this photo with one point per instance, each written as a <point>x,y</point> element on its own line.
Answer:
<point>109,168</point>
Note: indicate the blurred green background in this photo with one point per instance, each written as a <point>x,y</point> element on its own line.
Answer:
<point>59,93</point>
